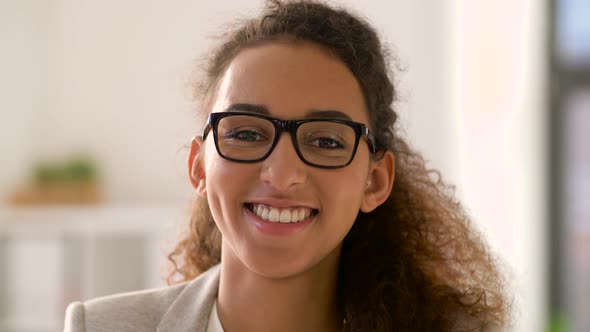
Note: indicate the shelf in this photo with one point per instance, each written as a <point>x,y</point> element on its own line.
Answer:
<point>30,325</point>
<point>95,220</point>
<point>77,249</point>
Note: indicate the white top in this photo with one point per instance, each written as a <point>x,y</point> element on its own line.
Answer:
<point>214,324</point>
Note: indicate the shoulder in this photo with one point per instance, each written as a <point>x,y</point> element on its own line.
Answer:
<point>122,312</point>
<point>142,310</point>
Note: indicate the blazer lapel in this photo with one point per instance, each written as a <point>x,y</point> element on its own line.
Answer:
<point>190,311</point>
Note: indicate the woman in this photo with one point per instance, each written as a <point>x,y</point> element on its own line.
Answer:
<point>312,214</point>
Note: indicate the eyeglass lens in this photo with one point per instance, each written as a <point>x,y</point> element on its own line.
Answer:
<point>324,143</point>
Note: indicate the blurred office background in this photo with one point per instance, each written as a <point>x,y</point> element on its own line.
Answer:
<point>95,117</point>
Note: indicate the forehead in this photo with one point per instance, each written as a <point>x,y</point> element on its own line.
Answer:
<point>290,79</point>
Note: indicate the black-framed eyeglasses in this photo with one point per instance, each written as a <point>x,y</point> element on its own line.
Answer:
<point>250,137</point>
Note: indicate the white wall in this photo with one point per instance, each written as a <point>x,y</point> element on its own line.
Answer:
<point>23,82</point>
<point>110,77</point>
<point>501,94</point>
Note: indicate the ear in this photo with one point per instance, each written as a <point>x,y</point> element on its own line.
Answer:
<point>379,182</point>
<point>196,170</point>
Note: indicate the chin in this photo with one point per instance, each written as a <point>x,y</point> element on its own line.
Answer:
<point>281,267</point>
<point>278,270</point>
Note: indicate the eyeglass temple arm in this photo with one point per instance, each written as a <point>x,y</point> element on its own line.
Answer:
<point>206,130</point>
<point>370,139</point>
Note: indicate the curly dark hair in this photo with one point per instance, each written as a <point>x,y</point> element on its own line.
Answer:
<point>415,263</point>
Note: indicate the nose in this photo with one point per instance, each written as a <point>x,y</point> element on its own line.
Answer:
<point>283,170</point>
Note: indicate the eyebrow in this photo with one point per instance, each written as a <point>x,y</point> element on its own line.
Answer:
<point>312,113</point>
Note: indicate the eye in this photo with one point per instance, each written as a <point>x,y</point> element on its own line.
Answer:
<point>246,135</point>
<point>324,142</point>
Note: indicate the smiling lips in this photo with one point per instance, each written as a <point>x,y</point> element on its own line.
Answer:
<point>280,215</point>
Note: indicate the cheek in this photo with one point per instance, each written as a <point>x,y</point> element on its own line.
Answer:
<point>223,180</point>
<point>218,171</point>
<point>344,191</point>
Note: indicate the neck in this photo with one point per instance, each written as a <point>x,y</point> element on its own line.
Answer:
<point>248,301</point>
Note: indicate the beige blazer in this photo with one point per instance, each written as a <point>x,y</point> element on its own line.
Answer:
<point>178,308</point>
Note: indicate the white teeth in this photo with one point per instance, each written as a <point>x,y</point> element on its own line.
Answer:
<point>274,215</point>
<point>264,213</point>
<point>301,213</point>
<point>284,215</point>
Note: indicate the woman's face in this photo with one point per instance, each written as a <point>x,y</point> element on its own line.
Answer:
<point>291,81</point>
